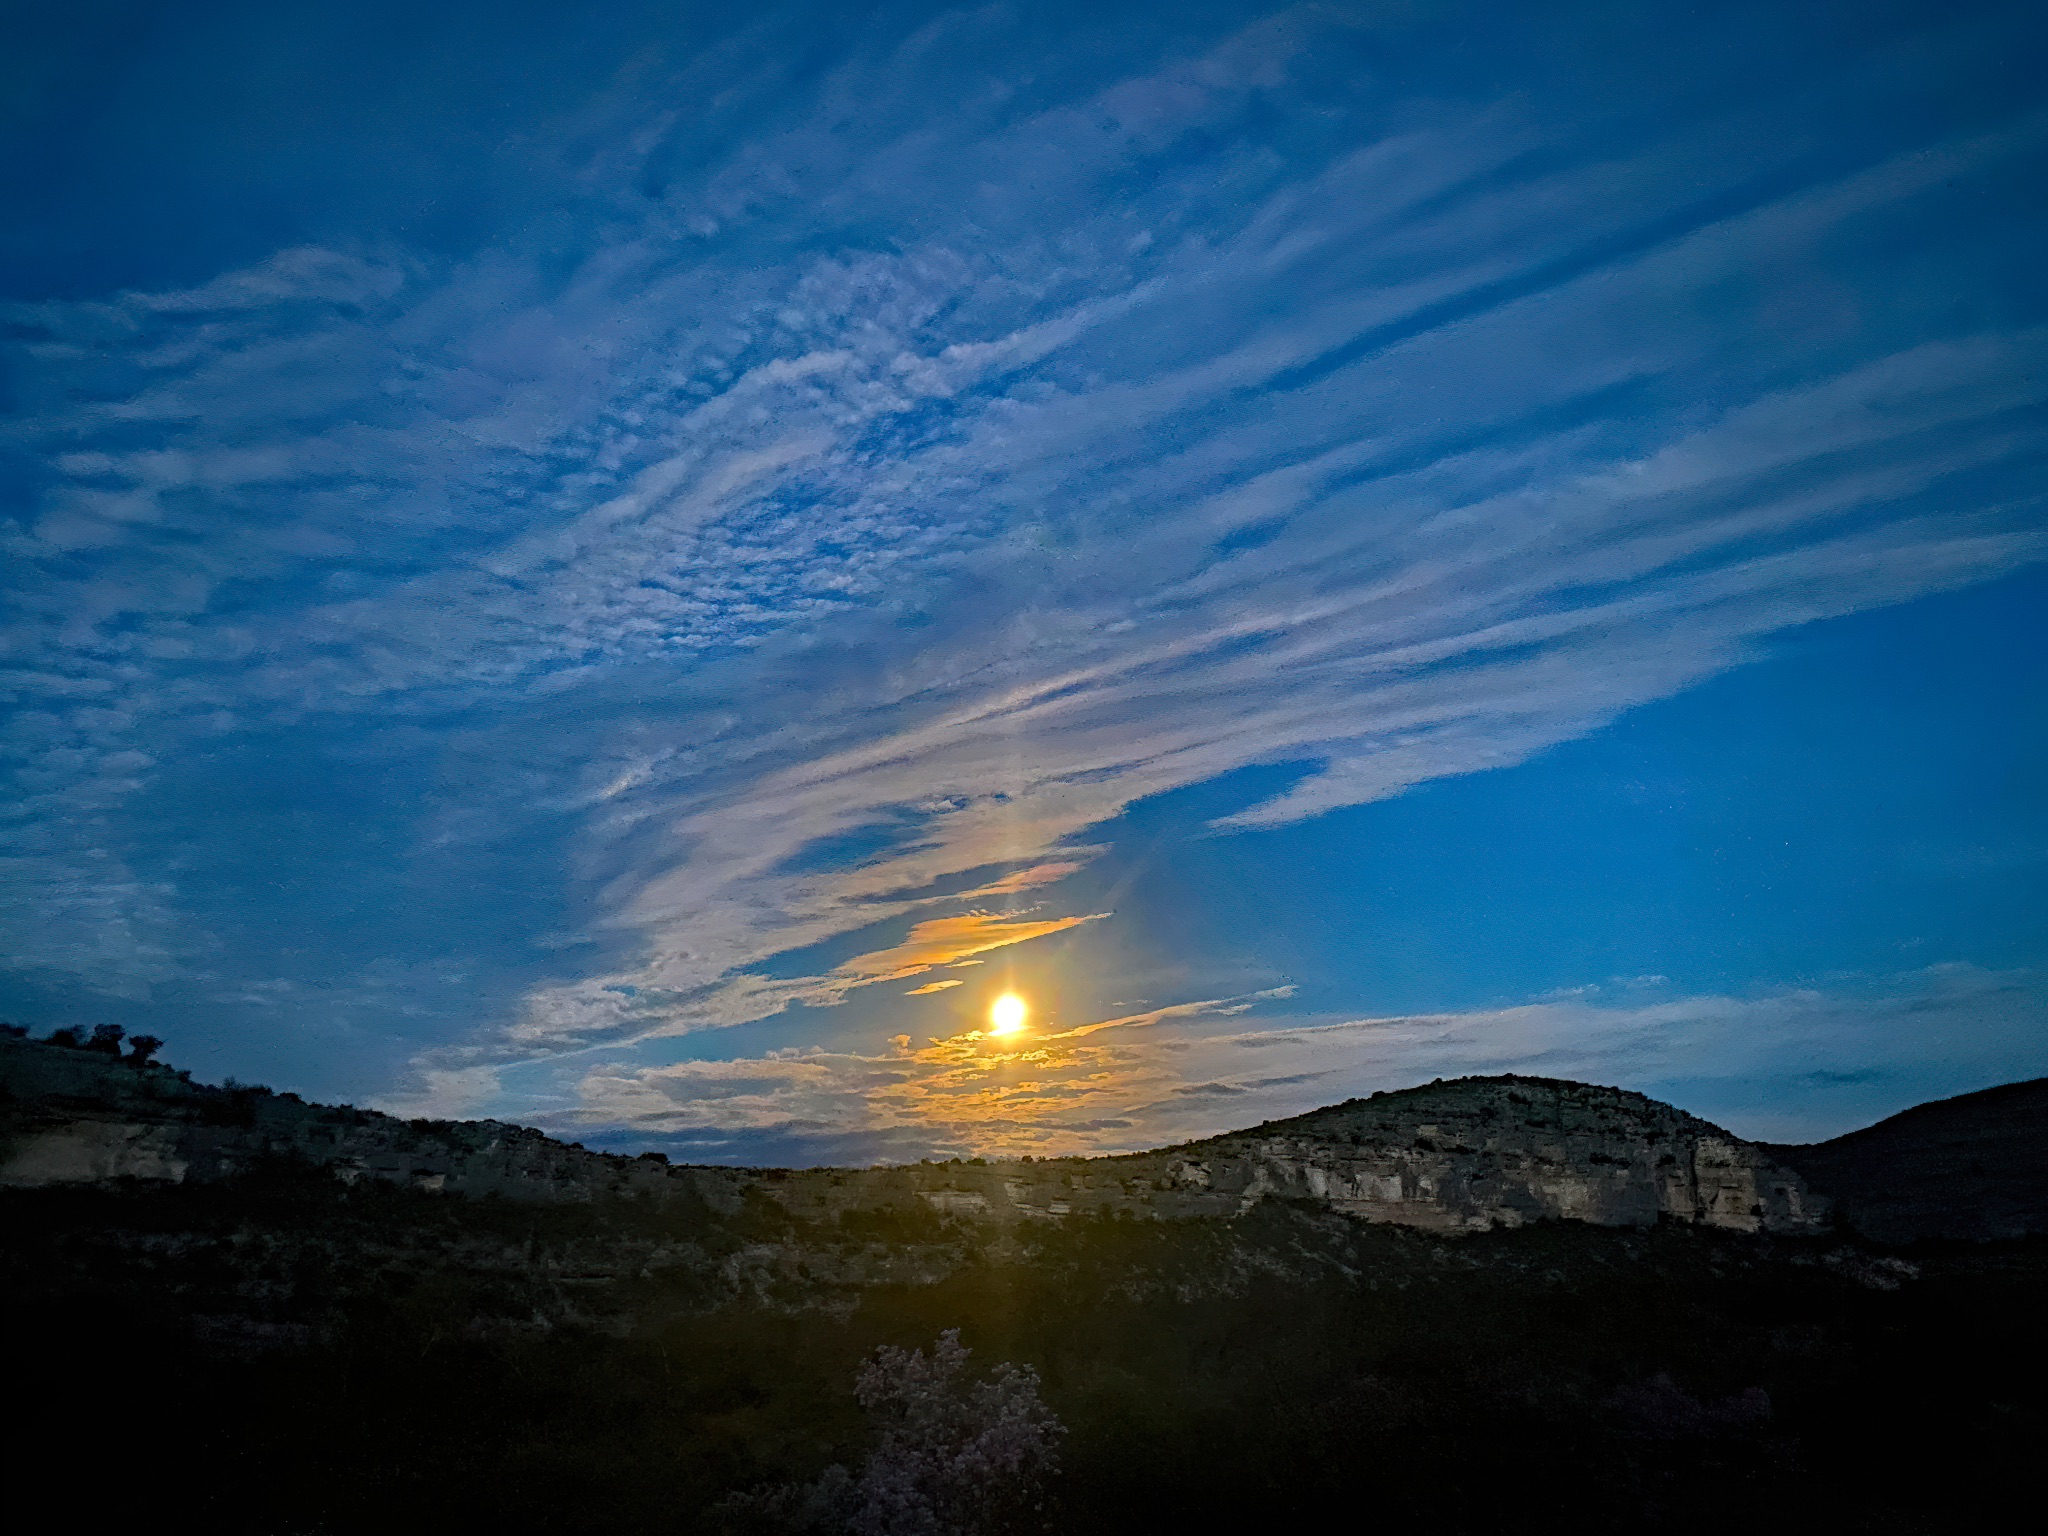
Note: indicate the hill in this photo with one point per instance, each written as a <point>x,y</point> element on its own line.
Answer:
<point>280,1317</point>
<point>1466,1155</point>
<point>1974,1167</point>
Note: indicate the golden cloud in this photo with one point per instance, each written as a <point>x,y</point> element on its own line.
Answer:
<point>1078,1091</point>
<point>1187,1070</point>
<point>934,986</point>
<point>948,940</point>
<point>1028,879</point>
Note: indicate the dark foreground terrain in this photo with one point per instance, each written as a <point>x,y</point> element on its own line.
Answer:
<point>281,1351</point>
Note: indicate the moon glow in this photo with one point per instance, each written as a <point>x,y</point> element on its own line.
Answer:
<point>1006,1015</point>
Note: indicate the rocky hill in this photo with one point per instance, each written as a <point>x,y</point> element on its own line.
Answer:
<point>1469,1154</point>
<point>1463,1155</point>
<point>339,1320</point>
<point>76,1115</point>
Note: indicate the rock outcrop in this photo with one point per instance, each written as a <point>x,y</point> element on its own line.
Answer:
<point>1463,1155</point>
<point>1451,1156</point>
<point>73,1115</point>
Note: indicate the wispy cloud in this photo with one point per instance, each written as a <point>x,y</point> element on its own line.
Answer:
<point>944,940</point>
<point>970,464</point>
<point>1785,1065</point>
<point>1021,880</point>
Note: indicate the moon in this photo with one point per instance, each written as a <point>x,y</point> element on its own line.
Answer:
<point>1006,1015</point>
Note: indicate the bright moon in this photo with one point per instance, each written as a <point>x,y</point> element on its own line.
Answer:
<point>1006,1017</point>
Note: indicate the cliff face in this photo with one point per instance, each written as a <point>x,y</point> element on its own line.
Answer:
<point>79,1116</point>
<point>1452,1156</point>
<point>1480,1152</point>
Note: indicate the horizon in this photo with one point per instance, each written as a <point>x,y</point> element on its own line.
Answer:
<point>70,1038</point>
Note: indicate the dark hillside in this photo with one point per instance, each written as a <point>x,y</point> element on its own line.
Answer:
<point>1972,1168</point>
<point>280,1354</point>
<point>277,1319</point>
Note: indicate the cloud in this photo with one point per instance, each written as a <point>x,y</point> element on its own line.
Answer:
<point>1018,881</point>
<point>860,451</point>
<point>599,1010</point>
<point>1210,1008</point>
<point>447,1093</point>
<point>947,940</point>
<point>938,986</point>
<point>1446,638</point>
<point>1792,1064</point>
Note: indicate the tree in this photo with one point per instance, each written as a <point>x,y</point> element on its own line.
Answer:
<point>142,1047</point>
<point>106,1037</point>
<point>952,1456</point>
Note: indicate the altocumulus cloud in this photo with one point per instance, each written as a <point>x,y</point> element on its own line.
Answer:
<point>950,467</point>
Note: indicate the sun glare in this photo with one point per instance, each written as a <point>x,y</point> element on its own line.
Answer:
<point>1006,1014</point>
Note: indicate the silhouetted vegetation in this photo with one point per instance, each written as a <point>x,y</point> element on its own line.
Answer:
<point>303,1356</point>
<point>951,1454</point>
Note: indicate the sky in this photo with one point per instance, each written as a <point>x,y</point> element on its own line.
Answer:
<point>630,567</point>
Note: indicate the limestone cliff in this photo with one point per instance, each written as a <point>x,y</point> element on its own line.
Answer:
<point>71,1115</point>
<point>1451,1156</point>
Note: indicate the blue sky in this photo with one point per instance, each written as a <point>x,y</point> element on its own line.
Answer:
<point>629,567</point>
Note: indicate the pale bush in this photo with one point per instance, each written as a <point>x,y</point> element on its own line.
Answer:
<point>952,1455</point>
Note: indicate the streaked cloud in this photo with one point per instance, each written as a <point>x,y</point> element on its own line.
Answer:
<point>869,485</point>
<point>945,940</point>
<point>1021,880</point>
<point>1790,1065</point>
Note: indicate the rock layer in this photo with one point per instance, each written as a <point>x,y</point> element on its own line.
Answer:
<point>79,1116</point>
<point>1452,1156</point>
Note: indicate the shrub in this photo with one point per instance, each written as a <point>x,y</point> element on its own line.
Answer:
<point>952,1456</point>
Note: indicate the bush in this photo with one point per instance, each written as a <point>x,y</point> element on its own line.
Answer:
<point>952,1456</point>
